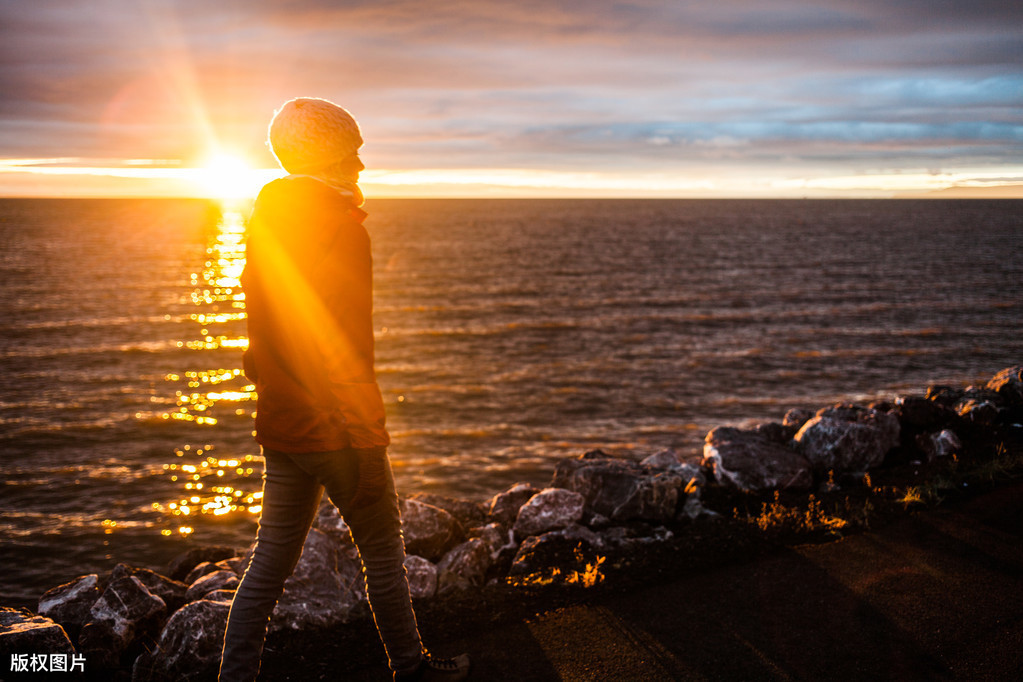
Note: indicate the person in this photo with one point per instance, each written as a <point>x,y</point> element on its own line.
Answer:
<point>320,416</point>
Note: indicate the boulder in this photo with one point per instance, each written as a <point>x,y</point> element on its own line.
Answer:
<point>620,489</point>
<point>917,414</point>
<point>125,610</point>
<point>172,592</point>
<point>70,604</point>
<point>566,550</point>
<point>1009,385</point>
<point>329,520</point>
<point>23,633</point>
<point>550,509</point>
<point>221,579</point>
<point>746,459</point>
<point>941,444</point>
<point>795,418</point>
<point>429,531</point>
<point>183,564</point>
<point>467,512</point>
<point>495,535</point>
<point>946,396</point>
<point>503,508</point>
<point>847,439</point>
<point>189,646</point>
<point>203,569</point>
<point>978,408</point>
<point>422,577</point>
<point>469,560</point>
<point>324,587</point>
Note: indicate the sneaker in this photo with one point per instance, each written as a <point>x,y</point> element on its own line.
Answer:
<point>439,669</point>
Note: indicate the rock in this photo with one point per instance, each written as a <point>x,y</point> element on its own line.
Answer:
<point>550,509</point>
<point>747,460</point>
<point>234,564</point>
<point>620,489</point>
<point>181,566</point>
<point>946,396</point>
<point>218,580</point>
<point>23,633</point>
<point>429,531</point>
<point>773,432</point>
<point>469,560</point>
<point>628,537</point>
<point>125,610</point>
<point>942,444</point>
<point>916,414</point>
<point>329,520</point>
<point>70,604</point>
<point>503,508</point>
<point>189,646</point>
<point>665,459</point>
<point>324,587</point>
<point>847,439</point>
<point>795,418</point>
<point>467,512</point>
<point>495,535</point>
<point>566,549</point>
<point>422,577</point>
<point>203,569</point>
<point>172,592</point>
<point>978,408</point>
<point>220,595</point>
<point>1009,385</point>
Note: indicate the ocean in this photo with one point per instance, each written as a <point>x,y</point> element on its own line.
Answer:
<point>510,334</point>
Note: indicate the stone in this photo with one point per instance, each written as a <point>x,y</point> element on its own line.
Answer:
<point>172,592</point>
<point>665,459</point>
<point>329,520</point>
<point>1008,383</point>
<point>70,604</point>
<point>220,595</point>
<point>566,549</point>
<point>469,560</point>
<point>620,489</point>
<point>221,579</point>
<point>977,410</point>
<point>189,646</point>
<point>24,633</point>
<point>495,535</point>
<point>550,509</point>
<point>946,396</point>
<point>847,439</point>
<point>324,587</point>
<point>203,569</point>
<point>941,444</point>
<point>125,610</point>
<point>422,577</point>
<point>795,418</point>
<point>429,531</point>
<point>626,537</point>
<point>747,460</point>
<point>916,414</point>
<point>503,508</point>
<point>466,512</point>
<point>183,564</point>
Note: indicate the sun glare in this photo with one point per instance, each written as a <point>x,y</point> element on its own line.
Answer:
<point>225,176</point>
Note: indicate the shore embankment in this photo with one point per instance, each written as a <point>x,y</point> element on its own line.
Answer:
<point>741,535</point>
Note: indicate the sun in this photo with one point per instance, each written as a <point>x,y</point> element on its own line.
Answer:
<point>226,176</point>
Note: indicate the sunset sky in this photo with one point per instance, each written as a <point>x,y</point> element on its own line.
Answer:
<point>520,98</point>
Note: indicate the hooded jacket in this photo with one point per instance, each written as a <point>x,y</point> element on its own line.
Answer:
<point>309,298</point>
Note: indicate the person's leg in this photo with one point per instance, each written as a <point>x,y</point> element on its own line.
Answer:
<point>376,530</point>
<point>290,499</point>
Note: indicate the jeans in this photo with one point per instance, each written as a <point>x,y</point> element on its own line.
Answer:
<point>292,485</point>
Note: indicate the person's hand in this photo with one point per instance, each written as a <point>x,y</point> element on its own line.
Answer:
<point>372,476</point>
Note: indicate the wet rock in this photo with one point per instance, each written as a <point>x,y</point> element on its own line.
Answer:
<point>550,509</point>
<point>620,489</point>
<point>469,560</point>
<point>71,603</point>
<point>189,646</point>
<point>324,587</point>
<point>847,439</point>
<point>941,444</point>
<point>466,512</point>
<point>203,569</point>
<point>422,577</point>
<point>566,549</point>
<point>503,508</point>
<point>1008,383</point>
<point>429,531</point>
<point>126,609</point>
<point>218,580</point>
<point>748,460</point>
<point>172,592</point>
<point>182,565</point>
<point>24,633</point>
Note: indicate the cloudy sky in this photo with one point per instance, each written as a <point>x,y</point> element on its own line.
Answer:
<point>523,97</point>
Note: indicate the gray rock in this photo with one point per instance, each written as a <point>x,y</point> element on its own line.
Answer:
<point>422,577</point>
<point>189,646</point>
<point>429,531</point>
<point>24,633</point>
<point>748,460</point>
<point>503,508</point>
<point>467,512</point>
<point>125,610</point>
<point>226,596</point>
<point>329,520</point>
<point>469,560</point>
<point>942,444</point>
<point>795,418</point>
<point>203,569</point>
<point>182,565</point>
<point>221,579</point>
<point>71,603</point>
<point>847,439</point>
<point>172,592</point>
<point>978,410</point>
<point>1009,385</point>
<point>621,489</point>
<point>567,549</point>
<point>665,459</point>
<point>916,414</point>
<point>550,509</point>
<point>495,535</point>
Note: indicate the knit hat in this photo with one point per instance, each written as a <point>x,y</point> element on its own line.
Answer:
<point>308,134</point>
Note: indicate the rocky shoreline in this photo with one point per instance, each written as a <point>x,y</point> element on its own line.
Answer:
<point>812,475</point>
